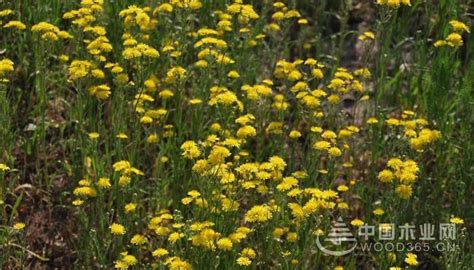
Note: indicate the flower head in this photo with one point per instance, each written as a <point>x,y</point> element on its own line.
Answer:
<point>117,229</point>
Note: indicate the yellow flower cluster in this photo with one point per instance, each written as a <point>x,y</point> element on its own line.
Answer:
<point>415,130</point>
<point>50,32</point>
<point>404,171</point>
<point>97,46</point>
<point>125,261</point>
<point>126,171</point>
<point>344,81</point>
<point>454,39</point>
<point>283,13</point>
<point>85,15</point>
<point>6,65</point>
<point>328,140</point>
<point>85,189</point>
<point>10,24</point>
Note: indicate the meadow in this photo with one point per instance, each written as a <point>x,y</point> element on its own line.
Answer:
<point>236,134</point>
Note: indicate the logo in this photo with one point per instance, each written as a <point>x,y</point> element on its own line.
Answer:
<point>341,238</point>
<point>340,241</point>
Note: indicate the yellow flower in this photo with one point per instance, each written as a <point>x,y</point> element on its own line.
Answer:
<point>303,21</point>
<point>129,259</point>
<point>173,237</point>
<point>150,85</point>
<point>357,222</point>
<point>233,74</point>
<point>404,191</point>
<point>85,191</point>
<point>218,154</point>
<point>292,237</point>
<point>243,261</point>
<point>19,226</point>
<point>104,183</point>
<point>342,188</point>
<point>201,64</point>
<point>6,65</point>
<point>4,167</point>
<point>121,165</point>
<point>175,263</point>
<point>146,120</point>
<point>130,207</point>
<point>246,131</point>
<point>454,40</point>
<point>100,91</point>
<point>5,12</point>
<point>120,265</point>
<point>122,136</point>
<point>456,220</point>
<point>378,212</point>
<point>317,73</point>
<point>195,101</point>
<point>152,138</point>
<point>166,94</point>
<point>410,259</point>
<point>385,176</point>
<point>287,183</point>
<point>97,73</point>
<point>367,35</point>
<point>117,229</point>
<point>165,7</point>
<point>77,202</point>
<point>138,240</point>
<point>318,232</point>
<point>224,244</point>
<point>278,232</point>
<point>248,252</point>
<point>190,150</point>
<point>294,134</point>
<point>321,145</point>
<point>93,135</point>
<point>295,75</point>
<point>393,122</point>
<point>259,213</point>
<point>124,180</point>
<point>372,120</point>
<point>160,252</point>
<point>84,182</point>
<point>342,205</point>
<point>15,24</point>
<point>126,261</point>
<point>459,26</point>
<point>394,3</point>
<point>395,163</point>
<point>334,151</point>
<point>333,99</point>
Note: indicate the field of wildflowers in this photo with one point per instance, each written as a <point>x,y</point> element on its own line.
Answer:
<point>236,134</point>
